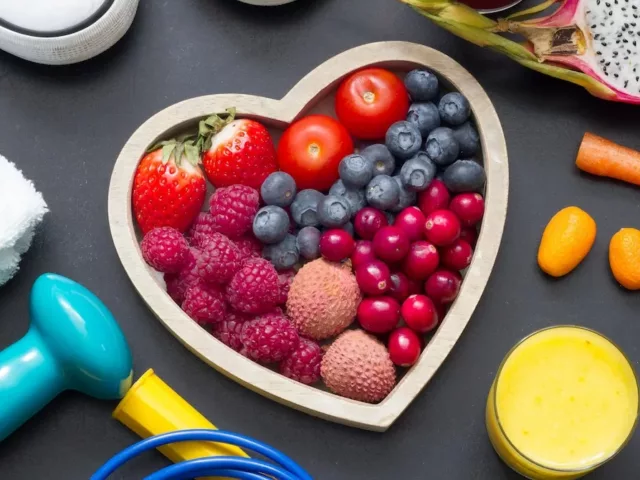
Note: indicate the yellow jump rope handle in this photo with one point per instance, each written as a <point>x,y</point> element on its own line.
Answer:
<point>152,407</point>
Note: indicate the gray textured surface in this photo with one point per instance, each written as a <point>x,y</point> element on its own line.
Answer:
<point>65,126</point>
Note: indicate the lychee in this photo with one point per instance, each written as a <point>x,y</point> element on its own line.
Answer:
<point>323,299</point>
<point>357,366</point>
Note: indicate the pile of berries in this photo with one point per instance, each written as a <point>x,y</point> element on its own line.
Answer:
<point>403,212</point>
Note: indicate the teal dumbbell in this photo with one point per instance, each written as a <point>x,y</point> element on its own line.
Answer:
<point>73,343</point>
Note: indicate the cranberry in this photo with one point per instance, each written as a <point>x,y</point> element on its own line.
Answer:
<point>457,256</point>
<point>411,220</point>
<point>378,314</point>
<point>400,286</point>
<point>336,245</point>
<point>468,207</point>
<point>404,347</point>
<point>363,253</point>
<point>368,221</point>
<point>443,286</point>
<point>442,309</point>
<point>469,235</point>
<point>373,277</point>
<point>390,244</point>
<point>442,227</point>
<point>421,261</point>
<point>435,197</point>
<point>419,313</point>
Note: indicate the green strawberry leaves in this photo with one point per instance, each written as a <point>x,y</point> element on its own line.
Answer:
<point>208,127</point>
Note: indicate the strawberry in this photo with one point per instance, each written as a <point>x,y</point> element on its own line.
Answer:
<point>168,188</point>
<point>236,151</point>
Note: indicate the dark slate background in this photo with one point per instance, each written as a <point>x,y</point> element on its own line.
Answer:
<point>64,127</point>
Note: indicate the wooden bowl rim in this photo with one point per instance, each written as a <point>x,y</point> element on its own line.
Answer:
<point>313,86</point>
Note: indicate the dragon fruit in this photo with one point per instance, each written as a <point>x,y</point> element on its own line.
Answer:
<point>592,43</point>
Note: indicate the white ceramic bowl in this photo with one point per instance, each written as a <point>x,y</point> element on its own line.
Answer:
<point>59,32</point>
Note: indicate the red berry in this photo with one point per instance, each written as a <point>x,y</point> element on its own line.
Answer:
<point>469,208</point>
<point>419,313</point>
<point>404,347</point>
<point>415,287</point>
<point>363,253</point>
<point>219,259</point>
<point>269,338</point>
<point>303,363</point>
<point>435,197</point>
<point>229,331</point>
<point>233,209</point>
<point>248,246</point>
<point>442,227</point>
<point>336,245</point>
<point>469,235</point>
<point>177,283</point>
<point>421,261</point>
<point>204,303</point>
<point>400,286</point>
<point>411,221</point>
<point>378,314</point>
<point>203,226</point>
<point>254,288</point>
<point>442,309</point>
<point>443,286</point>
<point>284,284</point>
<point>391,244</point>
<point>457,256</point>
<point>373,277</point>
<point>368,221</point>
<point>165,249</point>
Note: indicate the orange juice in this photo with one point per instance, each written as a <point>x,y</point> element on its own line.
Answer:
<point>564,401</point>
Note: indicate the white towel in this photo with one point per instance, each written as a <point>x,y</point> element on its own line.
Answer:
<point>21,210</point>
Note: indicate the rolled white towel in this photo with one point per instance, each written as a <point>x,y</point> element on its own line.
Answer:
<point>21,210</point>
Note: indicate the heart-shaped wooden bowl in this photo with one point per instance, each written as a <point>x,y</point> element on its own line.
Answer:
<point>311,93</point>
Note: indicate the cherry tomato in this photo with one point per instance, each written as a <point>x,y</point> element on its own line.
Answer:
<point>369,101</point>
<point>310,151</point>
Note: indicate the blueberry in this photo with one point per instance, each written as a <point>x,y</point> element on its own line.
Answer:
<point>279,189</point>
<point>454,108</point>
<point>406,198</point>
<point>355,198</point>
<point>381,159</point>
<point>355,171</point>
<point>333,211</point>
<point>425,116</point>
<point>468,139</point>
<point>418,172</point>
<point>283,255</point>
<point>308,243</point>
<point>464,176</point>
<point>390,217</point>
<point>441,146</point>
<point>305,207</point>
<point>422,85</point>
<point>271,224</point>
<point>403,140</point>
<point>382,192</point>
<point>348,227</point>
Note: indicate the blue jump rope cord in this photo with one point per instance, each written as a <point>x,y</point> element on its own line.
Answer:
<point>231,467</point>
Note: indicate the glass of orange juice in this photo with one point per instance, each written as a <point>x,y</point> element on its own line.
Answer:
<point>564,401</point>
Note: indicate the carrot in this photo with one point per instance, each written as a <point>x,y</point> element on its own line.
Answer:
<point>602,157</point>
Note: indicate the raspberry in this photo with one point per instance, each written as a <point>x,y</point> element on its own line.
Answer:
<point>233,209</point>
<point>284,283</point>
<point>177,283</point>
<point>254,288</point>
<point>202,227</point>
<point>303,363</point>
<point>165,249</point>
<point>219,259</point>
<point>269,338</point>
<point>229,330</point>
<point>204,303</point>
<point>249,246</point>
